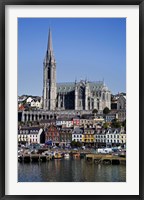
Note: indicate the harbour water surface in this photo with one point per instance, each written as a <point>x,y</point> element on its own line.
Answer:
<point>70,170</point>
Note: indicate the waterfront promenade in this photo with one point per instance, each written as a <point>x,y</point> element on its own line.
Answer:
<point>43,155</point>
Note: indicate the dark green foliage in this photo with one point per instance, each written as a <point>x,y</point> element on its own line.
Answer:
<point>105,125</point>
<point>115,124</point>
<point>76,144</point>
<point>95,111</point>
<point>106,110</point>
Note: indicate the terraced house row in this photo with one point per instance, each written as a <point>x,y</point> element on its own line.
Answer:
<point>64,136</point>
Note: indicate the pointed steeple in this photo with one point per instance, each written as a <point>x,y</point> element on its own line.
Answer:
<point>49,53</point>
<point>50,48</point>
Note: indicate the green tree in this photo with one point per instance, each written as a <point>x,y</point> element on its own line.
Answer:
<point>105,125</point>
<point>76,144</point>
<point>95,111</point>
<point>115,123</point>
<point>73,143</point>
<point>106,110</point>
<point>79,144</point>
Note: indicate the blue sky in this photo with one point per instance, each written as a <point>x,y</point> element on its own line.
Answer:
<point>92,48</point>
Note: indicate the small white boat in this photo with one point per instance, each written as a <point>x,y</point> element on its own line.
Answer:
<point>66,155</point>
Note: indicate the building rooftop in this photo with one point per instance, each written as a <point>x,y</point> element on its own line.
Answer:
<point>70,86</point>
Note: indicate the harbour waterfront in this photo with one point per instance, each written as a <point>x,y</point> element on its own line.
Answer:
<point>75,131</point>
<point>70,170</point>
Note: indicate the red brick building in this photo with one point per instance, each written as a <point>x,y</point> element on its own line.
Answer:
<point>52,134</point>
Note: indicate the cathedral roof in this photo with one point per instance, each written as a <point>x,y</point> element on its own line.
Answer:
<point>97,85</point>
<point>65,87</point>
<point>70,86</point>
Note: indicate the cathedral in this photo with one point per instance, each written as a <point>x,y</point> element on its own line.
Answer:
<point>82,95</point>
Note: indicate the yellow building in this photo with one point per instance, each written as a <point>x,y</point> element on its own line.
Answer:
<point>123,138</point>
<point>88,136</point>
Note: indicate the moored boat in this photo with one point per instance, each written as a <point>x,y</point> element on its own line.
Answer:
<point>76,155</point>
<point>66,155</point>
<point>57,155</point>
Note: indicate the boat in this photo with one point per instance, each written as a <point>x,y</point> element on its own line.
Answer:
<point>76,155</point>
<point>57,155</point>
<point>82,155</point>
<point>66,155</point>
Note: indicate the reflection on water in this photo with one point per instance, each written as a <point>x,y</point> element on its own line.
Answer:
<point>70,170</point>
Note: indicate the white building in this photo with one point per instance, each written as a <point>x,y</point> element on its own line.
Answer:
<point>110,137</point>
<point>116,136</point>
<point>30,135</point>
<point>64,122</point>
<point>77,134</point>
<point>36,103</point>
<point>121,102</point>
<point>29,99</point>
<point>100,136</point>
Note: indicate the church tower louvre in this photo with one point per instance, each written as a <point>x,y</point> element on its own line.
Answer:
<point>49,77</point>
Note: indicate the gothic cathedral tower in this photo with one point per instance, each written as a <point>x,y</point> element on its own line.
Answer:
<point>49,77</point>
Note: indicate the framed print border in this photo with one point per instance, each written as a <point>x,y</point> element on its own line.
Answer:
<point>3,121</point>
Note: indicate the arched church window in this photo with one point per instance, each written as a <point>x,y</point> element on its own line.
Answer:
<point>61,104</point>
<point>92,104</point>
<point>48,73</point>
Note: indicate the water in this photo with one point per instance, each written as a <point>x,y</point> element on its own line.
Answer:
<point>70,170</point>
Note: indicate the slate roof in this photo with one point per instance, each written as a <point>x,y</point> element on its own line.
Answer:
<point>97,85</point>
<point>30,130</point>
<point>65,87</point>
<point>77,131</point>
<point>70,86</point>
<point>114,130</point>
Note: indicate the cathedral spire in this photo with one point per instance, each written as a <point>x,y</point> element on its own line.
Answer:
<point>49,90</point>
<point>50,48</point>
<point>49,53</point>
